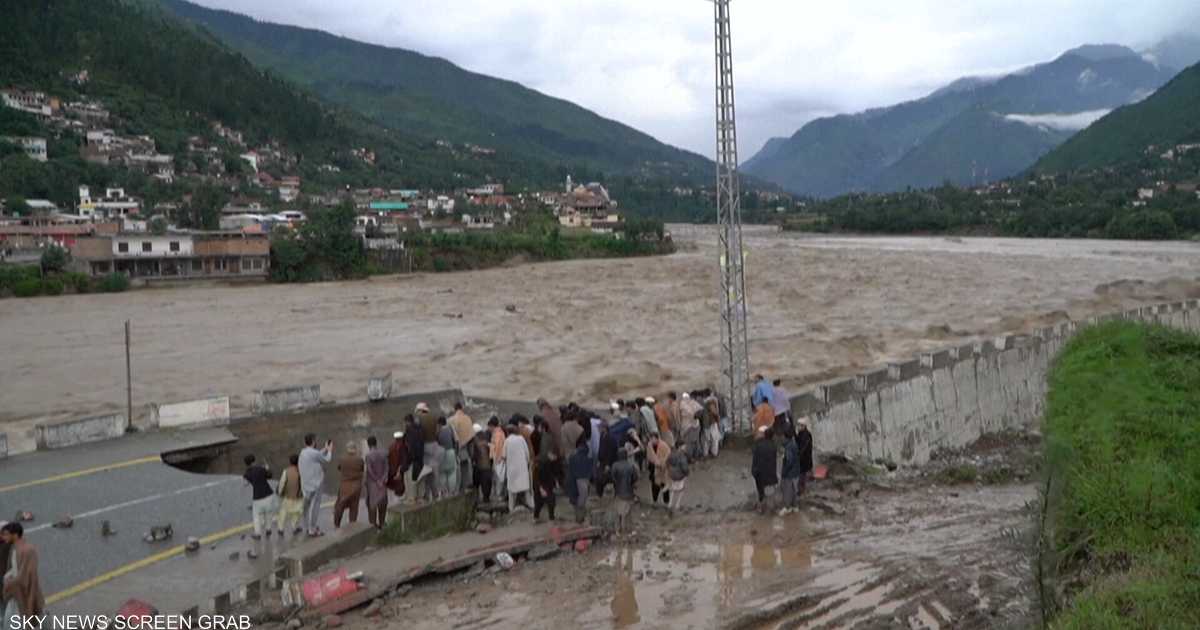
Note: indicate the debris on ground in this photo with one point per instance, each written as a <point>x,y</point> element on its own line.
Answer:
<point>65,522</point>
<point>193,544</point>
<point>106,529</point>
<point>504,560</point>
<point>23,517</point>
<point>541,552</point>
<point>159,533</point>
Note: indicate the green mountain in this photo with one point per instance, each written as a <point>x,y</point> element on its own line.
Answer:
<point>971,131</point>
<point>1169,117</point>
<point>165,79</point>
<point>435,99</point>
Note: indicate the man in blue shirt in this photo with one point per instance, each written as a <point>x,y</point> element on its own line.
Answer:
<point>763,392</point>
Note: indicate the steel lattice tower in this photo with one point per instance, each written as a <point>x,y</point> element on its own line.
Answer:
<point>736,359</point>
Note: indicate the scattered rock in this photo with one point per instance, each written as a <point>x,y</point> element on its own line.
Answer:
<point>403,590</point>
<point>193,544</point>
<point>373,608</point>
<point>106,529</point>
<point>65,522</point>
<point>477,569</point>
<point>252,554</point>
<point>483,528</point>
<point>23,517</point>
<point>542,552</point>
<point>511,308</point>
<point>235,555</point>
<point>159,533</point>
<point>294,623</point>
<point>332,621</point>
<point>505,561</point>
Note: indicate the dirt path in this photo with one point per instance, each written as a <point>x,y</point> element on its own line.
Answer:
<point>584,330</point>
<point>908,552</point>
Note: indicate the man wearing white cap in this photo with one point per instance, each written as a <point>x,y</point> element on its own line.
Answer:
<point>398,462</point>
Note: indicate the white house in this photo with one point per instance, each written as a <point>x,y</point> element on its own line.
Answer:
<point>35,148</point>
<point>36,103</point>
<point>1145,193</point>
<point>114,203</point>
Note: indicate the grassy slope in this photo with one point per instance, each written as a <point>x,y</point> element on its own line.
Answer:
<point>1171,115</point>
<point>1123,431</point>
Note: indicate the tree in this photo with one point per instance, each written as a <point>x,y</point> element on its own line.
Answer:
<point>16,205</point>
<point>157,226</point>
<point>55,259</point>
<point>329,240</point>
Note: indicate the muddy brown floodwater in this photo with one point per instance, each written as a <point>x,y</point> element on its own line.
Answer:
<point>585,330</point>
<point>885,551</point>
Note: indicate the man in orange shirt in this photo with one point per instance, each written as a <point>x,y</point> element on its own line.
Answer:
<point>764,416</point>
<point>662,414</point>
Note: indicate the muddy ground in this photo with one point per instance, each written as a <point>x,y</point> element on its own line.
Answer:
<point>586,330</point>
<point>871,549</point>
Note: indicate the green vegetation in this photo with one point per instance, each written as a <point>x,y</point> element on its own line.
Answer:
<point>324,248</point>
<point>481,250</point>
<point>1123,454</point>
<point>55,259</point>
<point>1093,204</point>
<point>1165,119</point>
<point>437,519</point>
<point>440,101</point>
<point>114,283</point>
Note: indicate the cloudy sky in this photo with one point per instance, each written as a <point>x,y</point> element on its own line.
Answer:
<point>648,63</point>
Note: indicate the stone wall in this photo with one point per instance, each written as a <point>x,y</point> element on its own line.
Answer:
<point>905,411</point>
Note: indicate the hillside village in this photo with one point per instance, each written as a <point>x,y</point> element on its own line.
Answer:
<point>107,229</point>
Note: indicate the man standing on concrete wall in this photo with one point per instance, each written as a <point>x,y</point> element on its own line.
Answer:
<point>463,425</point>
<point>782,406</point>
<point>762,391</point>
<point>312,477</point>
<point>376,464</point>
<point>427,485</point>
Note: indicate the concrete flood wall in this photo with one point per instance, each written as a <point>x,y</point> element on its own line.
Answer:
<point>64,433</point>
<point>287,399</point>
<point>3,445</point>
<point>904,412</point>
<point>192,413</point>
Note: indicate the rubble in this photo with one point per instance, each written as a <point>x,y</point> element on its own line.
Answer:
<point>65,522</point>
<point>159,533</point>
<point>106,529</point>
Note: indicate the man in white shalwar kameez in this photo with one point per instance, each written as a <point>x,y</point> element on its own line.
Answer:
<point>516,462</point>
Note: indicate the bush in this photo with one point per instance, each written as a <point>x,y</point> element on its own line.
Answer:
<point>114,283</point>
<point>10,275</point>
<point>27,287</point>
<point>52,286</point>
<point>79,282</point>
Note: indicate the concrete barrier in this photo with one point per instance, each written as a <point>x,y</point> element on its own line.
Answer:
<point>379,386</point>
<point>307,556</point>
<point>3,445</point>
<point>948,399</point>
<point>287,399</point>
<point>191,413</point>
<point>63,433</point>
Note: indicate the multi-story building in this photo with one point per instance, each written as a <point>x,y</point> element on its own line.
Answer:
<point>176,255</point>
<point>114,204</point>
<point>36,103</point>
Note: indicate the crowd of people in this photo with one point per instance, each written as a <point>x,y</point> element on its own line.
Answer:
<point>528,462</point>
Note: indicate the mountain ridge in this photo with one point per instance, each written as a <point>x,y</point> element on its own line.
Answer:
<point>870,151</point>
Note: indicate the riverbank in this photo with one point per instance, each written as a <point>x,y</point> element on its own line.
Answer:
<point>1123,456</point>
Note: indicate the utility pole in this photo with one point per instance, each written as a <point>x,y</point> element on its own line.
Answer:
<point>128,380</point>
<point>734,340</point>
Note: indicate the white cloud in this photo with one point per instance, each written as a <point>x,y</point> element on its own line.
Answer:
<point>1060,122</point>
<point>649,63</point>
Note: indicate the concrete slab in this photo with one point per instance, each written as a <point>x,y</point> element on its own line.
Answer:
<point>3,445</point>
<point>191,413</point>
<point>287,399</point>
<point>386,568</point>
